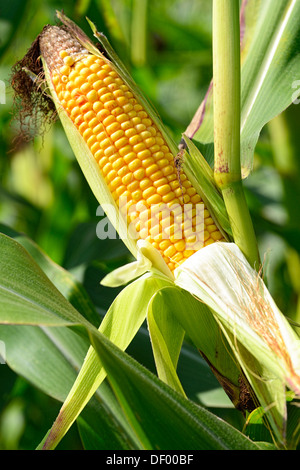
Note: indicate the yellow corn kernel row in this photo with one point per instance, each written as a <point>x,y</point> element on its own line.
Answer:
<point>135,160</point>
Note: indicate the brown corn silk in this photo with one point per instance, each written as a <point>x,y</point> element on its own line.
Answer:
<point>135,160</point>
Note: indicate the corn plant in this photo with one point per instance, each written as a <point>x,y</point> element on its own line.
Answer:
<point>181,211</point>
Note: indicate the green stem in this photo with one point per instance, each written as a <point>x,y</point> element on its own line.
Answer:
<point>227,112</point>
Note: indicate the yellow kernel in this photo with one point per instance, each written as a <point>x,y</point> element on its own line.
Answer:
<point>151,169</point>
<point>116,182</point>
<point>126,125</point>
<point>95,67</point>
<point>118,93</point>
<point>133,186</point>
<point>127,149</point>
<point>154,199</point>
<point>127,179</point>
<point>157,175</point>
<point>169,197</point>
<point>102,114</point>
<point>162,162</point>
<point>209,242</point>
<point>160,182</point>
<point>149,192</point>
<point>93,123</point>
<point>91,140</point>
<point>139,174</point>
<point>65,70</point>
<point>83,126</point>
<point>92,96</point>
<point>167,170</point>
<point>109,150</point>
<point>211,228</point>
<point>95,147</point>
<point>122,118</point>
<point>97,85</point>
<point>89,60</point>
<point>134,165</point>
<point>87,133</point>
<point>118,164</point>
<point>112,174</point>
<point>164,189</point>
<point>159,139</point>
<point>106,168</point>
<point>89,115</point>
<point>92,78</point>
<point>216,235</point>
<point>170,251</point>
<point>123,170</point>
<point>178,257</point>
<point>150,142</point>
<point>75,111</point>
<point>68,60</point>
<point>127,107</point>
<point>122,100</point>
<point>85,87</point>
<point>120,190</point>
<point>113,127</point>
<point>180,245</point>
<point>63,54</point>
<point>121,142</point>
<point>135,139</point>
<point>147,162</point>
<point>85,71</point>
<point>136,195</point>
<point>99,154</point>
<point>164,244</point>
<point>97,106</point>
<point>130,132</point>
<point>145,184</point>
<point>107,97</point>
<point>139,147</point>
<point>143,154</point>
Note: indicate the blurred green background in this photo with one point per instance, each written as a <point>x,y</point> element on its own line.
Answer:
<point>166,45</point>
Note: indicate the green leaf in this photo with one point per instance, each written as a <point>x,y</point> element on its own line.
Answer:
<point>64,281</point>
<point>161,417</point>
<point>270,63</point>
<point>48,357</point>
<point>27,294</point>
<point>199,324</point>
<point>166,338</point>
<point>120,324</point>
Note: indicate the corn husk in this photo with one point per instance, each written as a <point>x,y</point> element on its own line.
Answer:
<point>260,336</point>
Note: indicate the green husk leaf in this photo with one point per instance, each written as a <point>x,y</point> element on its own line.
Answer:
<point>120,325</point>
<point>166,338</point>
<point>148,259</point>
<point>202,177</point>
<point>259,335</point>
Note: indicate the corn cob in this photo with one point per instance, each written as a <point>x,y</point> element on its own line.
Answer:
<point>134,158</point>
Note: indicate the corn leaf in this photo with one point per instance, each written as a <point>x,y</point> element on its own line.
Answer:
<point>270,65</point>
<point>27,295</point>
<point>62,279</point>
<point>161,417</point>
<point>198,322</point>
<point>166,338</point>
<point>120,324</point>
